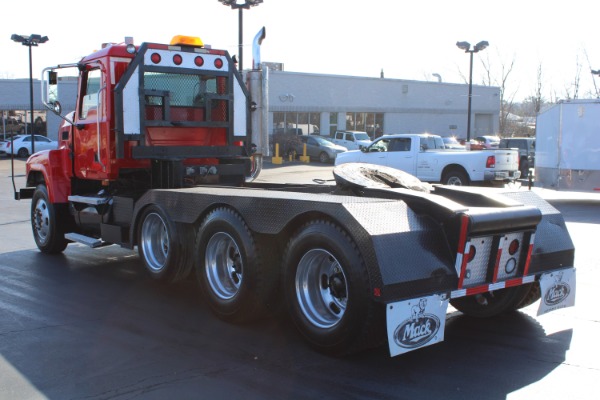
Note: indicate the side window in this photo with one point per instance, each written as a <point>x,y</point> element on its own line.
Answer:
<point>350,137</point>
<point>89,102</point>
<point>402,144</point>
<point>380,146</point>
<point>426,145</point>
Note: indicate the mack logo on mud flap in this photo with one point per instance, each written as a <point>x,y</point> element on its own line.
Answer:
<point>558,290</point>
<point>418,329</point>
<point>557,293</point>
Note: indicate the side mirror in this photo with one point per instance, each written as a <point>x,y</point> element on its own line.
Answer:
<point>52,78</point>
<point>57,108</point>
<point>52,93</point>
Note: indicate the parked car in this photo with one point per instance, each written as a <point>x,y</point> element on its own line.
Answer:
<point>21,145</point>
<point>318,148</point>
<point>489,142</point>
<point>451,143</point>
<point>526,146</point>
<point>473,144</point>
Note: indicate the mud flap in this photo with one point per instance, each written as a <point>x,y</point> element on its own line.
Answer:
<point>558,290</point>
<point>416,323</point>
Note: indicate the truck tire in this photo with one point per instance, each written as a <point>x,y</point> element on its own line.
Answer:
<point>327,291</point>
<point>47,223</point>
<point>494,303</point>
<point>524,167</point>
<point>233,278</point>
<point>323,158</point>
<point>165,247</point>
<point>456,178</point>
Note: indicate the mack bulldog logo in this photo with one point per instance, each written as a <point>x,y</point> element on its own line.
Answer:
<point>557,292</point>
<point>418,329</point>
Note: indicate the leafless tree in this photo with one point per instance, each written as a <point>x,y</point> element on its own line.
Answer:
<point>596,91</point>
<point>537,98</point>
<point>572,90</point>
<point>507,98</point>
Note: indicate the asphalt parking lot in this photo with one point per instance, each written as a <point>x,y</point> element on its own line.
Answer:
<point>88,324</point>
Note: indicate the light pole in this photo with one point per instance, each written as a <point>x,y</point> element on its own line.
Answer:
<point>240,6</point>
<point>30,41</point>
<point>466,46</point>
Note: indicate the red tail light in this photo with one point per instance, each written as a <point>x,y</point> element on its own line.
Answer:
<point>513,247</point>
<point>219,63</point>
<point>472,252</point>
<point>177,59</point>
<point>155,57</point>
<point>491,162</point>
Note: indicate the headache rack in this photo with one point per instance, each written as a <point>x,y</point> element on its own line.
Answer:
<point>181,102</point>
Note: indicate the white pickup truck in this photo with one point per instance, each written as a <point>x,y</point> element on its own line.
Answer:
<point>352,140</point>
<point>424,156</point>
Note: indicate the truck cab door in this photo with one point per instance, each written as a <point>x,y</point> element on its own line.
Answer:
<point>400,155</point>
<point>90,145</point>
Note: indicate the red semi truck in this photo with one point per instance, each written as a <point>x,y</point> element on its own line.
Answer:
<point>160,155</point>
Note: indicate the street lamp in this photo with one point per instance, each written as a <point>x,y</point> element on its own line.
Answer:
<point>30,41</point>
<point>240,6</point>
<point>466,46</point>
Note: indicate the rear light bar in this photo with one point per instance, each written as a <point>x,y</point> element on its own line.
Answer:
<point>493,261</point>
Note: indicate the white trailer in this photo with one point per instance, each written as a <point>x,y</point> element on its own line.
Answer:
<point>567,155</point>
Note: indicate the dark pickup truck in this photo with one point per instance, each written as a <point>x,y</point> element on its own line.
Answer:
<point>526,146</point>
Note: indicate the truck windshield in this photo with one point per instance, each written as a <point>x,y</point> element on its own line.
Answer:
<point>362,136</point>
<point>184,90</point>
<point>186,97</point>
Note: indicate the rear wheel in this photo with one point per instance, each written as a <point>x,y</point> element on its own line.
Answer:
<point>455,178</point>
<point>234,281</point>
<point>23,153</point>
<point>490,304</point>
<point>47,223</point>
<point>524,167</point>
<point>323,157</point>
<point>326,288</point>
<point>164,246</point>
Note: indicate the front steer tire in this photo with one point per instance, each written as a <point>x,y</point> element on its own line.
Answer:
<point>327,291</point>
<point>47,222</point>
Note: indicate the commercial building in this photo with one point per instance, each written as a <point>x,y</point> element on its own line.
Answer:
<point>318,103</point>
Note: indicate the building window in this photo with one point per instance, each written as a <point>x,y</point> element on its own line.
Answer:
<point>372,123</point>
<point>300,123</point>
<point>333,119</point>
<point>17,122</point>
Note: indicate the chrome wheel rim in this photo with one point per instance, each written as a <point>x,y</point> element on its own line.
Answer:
<point>454,181</point>
<point>41,220</point>
<point>223,265</point>
<point>155,242</point>
<point>321,288</point>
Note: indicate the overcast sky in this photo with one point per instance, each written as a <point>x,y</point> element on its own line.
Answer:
<point>408,40</point>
